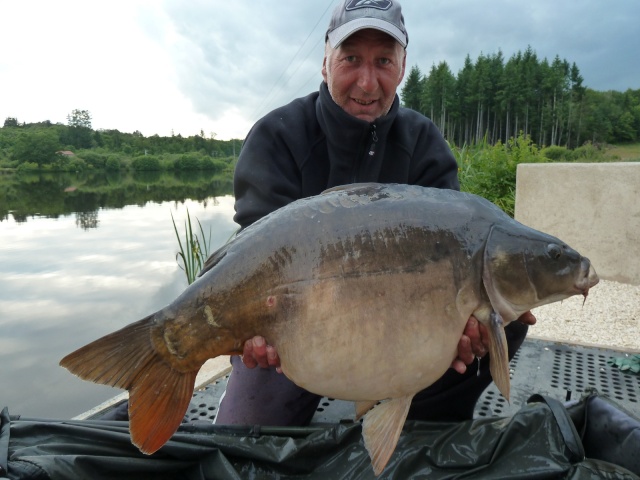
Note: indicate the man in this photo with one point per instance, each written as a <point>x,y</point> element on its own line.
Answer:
<point>352,130</point>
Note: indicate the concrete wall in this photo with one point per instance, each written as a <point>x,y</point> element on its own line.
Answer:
<point>593,207</point>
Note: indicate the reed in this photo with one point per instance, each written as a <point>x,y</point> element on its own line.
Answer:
<point>194,251</point>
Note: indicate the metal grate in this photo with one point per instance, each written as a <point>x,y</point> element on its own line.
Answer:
<point>564,372</point>
<point>558,370</point>
<point>204,404</point>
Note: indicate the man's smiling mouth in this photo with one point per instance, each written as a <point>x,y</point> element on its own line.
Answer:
<point>363,102</point>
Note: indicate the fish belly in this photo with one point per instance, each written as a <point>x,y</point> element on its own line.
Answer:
<point>372,337</point>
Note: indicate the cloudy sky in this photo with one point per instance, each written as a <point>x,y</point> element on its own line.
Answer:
<point>185,66</point>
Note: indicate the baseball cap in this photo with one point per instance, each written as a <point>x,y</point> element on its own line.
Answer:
<point>353,15</point>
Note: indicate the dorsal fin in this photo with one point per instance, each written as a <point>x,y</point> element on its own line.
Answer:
<point>351,186</point>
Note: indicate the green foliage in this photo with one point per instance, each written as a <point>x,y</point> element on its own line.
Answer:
<point>78,133</point>
<point>195,251</point>
<point>39,147</point>
<point>112,163</point>
<point>189,161</point>
<point>145,162</point>
<point>207,163</point>
<point>587,153</point>
<point>490,171</point>
<point>28,166</point>
<point>79,118</point>
<point>411,92</point>
<point>96,160</point>
<point>68,164</point>
<point>494,100</point>
<point>218,165</point>
<point>94,148</point>
<point>556,153</point>
<point>624,128</point>
<point>11,122</point>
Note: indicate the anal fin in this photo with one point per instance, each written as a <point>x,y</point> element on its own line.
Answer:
<point>499,354</point>
<point>363,407</point>
<point>381,430</point>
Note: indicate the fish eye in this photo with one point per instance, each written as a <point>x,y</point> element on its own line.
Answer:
<point>554,251</point>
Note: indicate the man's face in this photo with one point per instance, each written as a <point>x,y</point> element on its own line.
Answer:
<point>364,72</point>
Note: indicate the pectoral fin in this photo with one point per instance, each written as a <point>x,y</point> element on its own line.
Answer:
<point>381,430</point>
<point>499,354</point>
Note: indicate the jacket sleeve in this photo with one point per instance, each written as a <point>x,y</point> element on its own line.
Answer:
<point>436,165</point>
<point>431,162</point>
<point>266,176</point>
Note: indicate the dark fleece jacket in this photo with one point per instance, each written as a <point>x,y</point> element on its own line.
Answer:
<point>312,144</point>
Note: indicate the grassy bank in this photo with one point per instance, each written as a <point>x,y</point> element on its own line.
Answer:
<point>623,153</point>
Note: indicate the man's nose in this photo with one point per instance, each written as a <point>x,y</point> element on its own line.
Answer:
<point>367,78</point>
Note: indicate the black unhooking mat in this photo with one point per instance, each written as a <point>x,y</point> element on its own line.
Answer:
<point>593,439</point>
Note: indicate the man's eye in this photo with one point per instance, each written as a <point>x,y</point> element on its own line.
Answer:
<point>384,61</point>
<point>350,58</point>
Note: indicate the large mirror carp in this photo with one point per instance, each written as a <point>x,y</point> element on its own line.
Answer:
<point>332,281</point>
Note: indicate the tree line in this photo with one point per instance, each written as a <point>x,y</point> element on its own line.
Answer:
<point>45,145</point>
<point>493,100</point>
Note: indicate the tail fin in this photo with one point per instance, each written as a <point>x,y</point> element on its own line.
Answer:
<point>158,394</point>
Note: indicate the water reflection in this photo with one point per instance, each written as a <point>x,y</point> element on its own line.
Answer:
<point>53,194</point>
<point>87,220</point>
<point>71,274</point>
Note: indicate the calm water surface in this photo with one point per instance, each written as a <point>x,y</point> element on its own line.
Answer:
<point>66,281</point>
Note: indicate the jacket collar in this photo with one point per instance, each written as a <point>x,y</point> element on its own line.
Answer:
<point>349,140</point>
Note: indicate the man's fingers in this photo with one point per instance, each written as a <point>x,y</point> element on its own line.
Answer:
<point>256,352</point>
<point>247,355</point>
<point>474,342</point>
<point>528,318</point>
<point>465,354</point>
<point>478,336</point>
<point>483,346</point>
<point>260,351</point>
<point>459,366</point>
<point>272,357</point>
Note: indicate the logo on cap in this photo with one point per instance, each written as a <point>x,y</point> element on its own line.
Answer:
<point>379,4</point>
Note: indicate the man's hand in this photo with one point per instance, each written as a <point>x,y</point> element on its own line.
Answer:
<point>475,341</point>
<point>256,352</point>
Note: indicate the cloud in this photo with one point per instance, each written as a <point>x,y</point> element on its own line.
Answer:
<point>215,66</point>
<point>233,56</point>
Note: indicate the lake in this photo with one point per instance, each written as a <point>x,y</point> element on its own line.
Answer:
<point>84,255</point>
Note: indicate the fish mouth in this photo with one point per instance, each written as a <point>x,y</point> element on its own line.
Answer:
<point>587,279</point>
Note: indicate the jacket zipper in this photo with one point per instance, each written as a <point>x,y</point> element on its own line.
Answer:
<point>369,154</point>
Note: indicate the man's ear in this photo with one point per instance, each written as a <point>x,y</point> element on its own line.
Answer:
<point>324,69</point>
<point>404,64</point>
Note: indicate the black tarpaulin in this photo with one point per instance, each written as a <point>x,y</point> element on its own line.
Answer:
<point>593,439</point>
